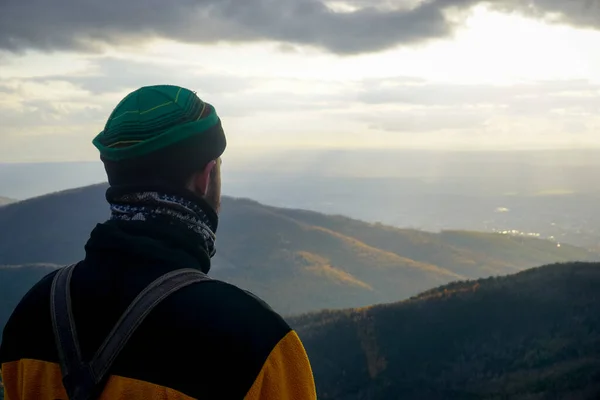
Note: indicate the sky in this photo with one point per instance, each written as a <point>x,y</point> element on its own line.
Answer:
<point>307,74</point>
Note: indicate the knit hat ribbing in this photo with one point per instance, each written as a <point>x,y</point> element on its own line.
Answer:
<point>159,127</point>
<point>152,118</point>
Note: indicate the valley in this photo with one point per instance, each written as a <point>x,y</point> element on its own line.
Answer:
<point>383,311</point>
<point>296,260</point>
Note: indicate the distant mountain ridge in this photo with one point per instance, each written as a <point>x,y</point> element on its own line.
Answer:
<point>15,282</point>
<point>527,336</point>
<point>6,200</point>
<point>296,260</point>
<point>533,335</point>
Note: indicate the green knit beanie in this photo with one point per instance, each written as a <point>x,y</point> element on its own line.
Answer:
<point>160,127</point>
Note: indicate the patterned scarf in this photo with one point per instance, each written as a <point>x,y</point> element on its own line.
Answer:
<point>170,208</point>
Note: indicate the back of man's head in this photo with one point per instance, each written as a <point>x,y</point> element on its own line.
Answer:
<point>160,135</point>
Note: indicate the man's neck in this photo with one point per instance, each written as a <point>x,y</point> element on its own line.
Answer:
<point>179,208</point>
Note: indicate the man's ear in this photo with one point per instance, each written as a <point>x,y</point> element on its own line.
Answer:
<point>201,180</point>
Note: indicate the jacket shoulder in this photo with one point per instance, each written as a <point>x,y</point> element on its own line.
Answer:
<point>244,310</point>
<point>231,330</point>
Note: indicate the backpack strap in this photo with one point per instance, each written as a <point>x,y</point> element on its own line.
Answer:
<point>85,380</point>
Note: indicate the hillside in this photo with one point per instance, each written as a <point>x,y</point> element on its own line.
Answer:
<point>471,254</point>
<point>14,283</point>
<point>5,200</point>
<point>298,261</point>
<point>533,335</point>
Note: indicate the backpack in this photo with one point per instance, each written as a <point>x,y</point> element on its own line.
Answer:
<point>86,380</point>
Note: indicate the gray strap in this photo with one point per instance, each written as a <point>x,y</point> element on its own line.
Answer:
<point>137,311</point>
<point>83,380</point>
<point>67,343</point>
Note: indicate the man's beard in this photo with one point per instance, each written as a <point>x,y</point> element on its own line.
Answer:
<point>213,194</point>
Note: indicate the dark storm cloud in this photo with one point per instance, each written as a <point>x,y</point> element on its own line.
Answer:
<point>581,13</point>
<point>86,24</point>
<point>83,24</point>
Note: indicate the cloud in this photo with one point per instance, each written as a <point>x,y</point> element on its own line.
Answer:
<point>581,13</point>
<point>371,25</point>
<point>69,108</point>
<point>536,97</point>
<point>79,102</point>
<point>108,79</point>
<point>109,75</point>
<point>427,121</point>
<point>405,105</point>
<point>83,25</point>
<point>29,109</point>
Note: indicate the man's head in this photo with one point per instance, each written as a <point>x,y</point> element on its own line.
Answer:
<point>164,135</point>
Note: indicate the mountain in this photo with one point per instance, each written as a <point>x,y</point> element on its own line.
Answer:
<point>470,254</point>
<point>296,260</point>
<point>14,283</point>
<point>533,335</point>
<point>5,200</point>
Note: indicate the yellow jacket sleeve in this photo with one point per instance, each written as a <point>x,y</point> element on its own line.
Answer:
<point>286,375</point>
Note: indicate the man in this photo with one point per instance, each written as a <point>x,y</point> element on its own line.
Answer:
<point>161,149</point>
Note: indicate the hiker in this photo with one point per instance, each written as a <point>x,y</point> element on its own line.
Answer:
<point>138,317</point>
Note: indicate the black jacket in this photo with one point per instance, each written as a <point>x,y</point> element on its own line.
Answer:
<point>210,340</point>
